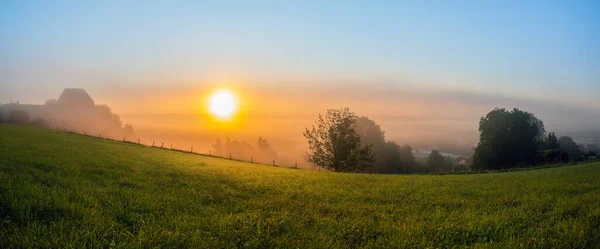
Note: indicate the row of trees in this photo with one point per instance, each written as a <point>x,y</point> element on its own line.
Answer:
<point>262,152</point>
<point>516,138</point>
<point>22,117</point>
<point>341,141</point>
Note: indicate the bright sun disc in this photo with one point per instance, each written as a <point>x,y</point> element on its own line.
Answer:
<point>222,104</point>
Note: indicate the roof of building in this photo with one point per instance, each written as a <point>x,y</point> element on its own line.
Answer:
<point>74,97</point>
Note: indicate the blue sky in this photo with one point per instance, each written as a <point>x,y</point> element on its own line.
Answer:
<point>538,50</point>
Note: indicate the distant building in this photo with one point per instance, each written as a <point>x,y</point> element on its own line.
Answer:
<point>75,110</point>
<point>74,97</point>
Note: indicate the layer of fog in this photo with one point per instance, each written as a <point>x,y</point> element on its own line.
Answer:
<point>424,118</point>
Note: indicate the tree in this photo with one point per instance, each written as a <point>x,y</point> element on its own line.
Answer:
<point>436,162</point>
<point>593,148</point>
<point>569,146</point>
<point>508,139</point>
<point>51,102</point>
<point>552,141</point>
<point>128,130</point>
<point>399,159</point>
<point>217,148</point>
<point>265,150</point>
<point>19,117</point>
<point>40,122</point>
<point>371,134</point>
<point>335,145</point>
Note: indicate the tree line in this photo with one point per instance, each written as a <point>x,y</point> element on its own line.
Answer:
<point>516,139</point>
<point>344,142</point>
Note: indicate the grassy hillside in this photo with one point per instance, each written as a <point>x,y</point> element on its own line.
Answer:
<point>71,191</point>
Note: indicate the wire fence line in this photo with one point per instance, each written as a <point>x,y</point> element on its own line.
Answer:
<point>171,148</point>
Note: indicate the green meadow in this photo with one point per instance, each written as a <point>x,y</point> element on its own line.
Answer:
<point>63,190</point>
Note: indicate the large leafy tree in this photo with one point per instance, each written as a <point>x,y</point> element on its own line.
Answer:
<point>508,139</point>
<point>335,145</point>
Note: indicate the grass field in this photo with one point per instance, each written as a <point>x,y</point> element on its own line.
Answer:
<point>60,190</point>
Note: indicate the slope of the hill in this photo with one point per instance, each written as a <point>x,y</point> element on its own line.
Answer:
<point>72,191</point>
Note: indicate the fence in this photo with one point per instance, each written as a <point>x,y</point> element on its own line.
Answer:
<point>171,148</point>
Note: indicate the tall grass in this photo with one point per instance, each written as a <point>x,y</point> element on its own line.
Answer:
<point>61,190</point>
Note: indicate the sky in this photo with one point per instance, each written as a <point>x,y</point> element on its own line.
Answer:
<point>394,60</point>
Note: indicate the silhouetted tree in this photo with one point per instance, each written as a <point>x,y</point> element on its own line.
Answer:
<point>128,130</point>
<point>266,152</point>
<point>371,134</point>
<point>237,149</point>
<point>389,156</point>
<point>508,139</point>
<point>569,146</point>
<point>398,159</point>
<point>549,150</point>
<point>217,148</point>
<point>19,117</point>
<point>552,141</point>
<point>334,143</point>
<point>51,102</point>
<point>436,162</point>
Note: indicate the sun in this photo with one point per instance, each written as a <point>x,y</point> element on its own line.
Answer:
<point>222,104</point>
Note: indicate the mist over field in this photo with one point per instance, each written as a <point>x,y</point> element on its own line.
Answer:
<point>424,118</point>
<point>299,124</point>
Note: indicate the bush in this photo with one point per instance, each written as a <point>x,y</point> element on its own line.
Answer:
<point>19,117</point>
<point>40,122</point>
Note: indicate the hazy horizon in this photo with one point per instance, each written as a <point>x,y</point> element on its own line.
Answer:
<point>425,73</point>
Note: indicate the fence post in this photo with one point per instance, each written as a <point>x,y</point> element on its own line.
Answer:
<point>192,150</point>
<point>229,155</point>
<point>273,162</point>
<point>152,143</point>
<point>85,133</point>
<point>138,140</point>
<point>123,139</point>
<point>295,165</point>
<point>99,135</point>
<point>161,144</point>
<point>251,160</point>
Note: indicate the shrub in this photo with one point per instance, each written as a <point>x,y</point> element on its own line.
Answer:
<point>40,122</point>
<point>2,116</point>
<point>19,117</point>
